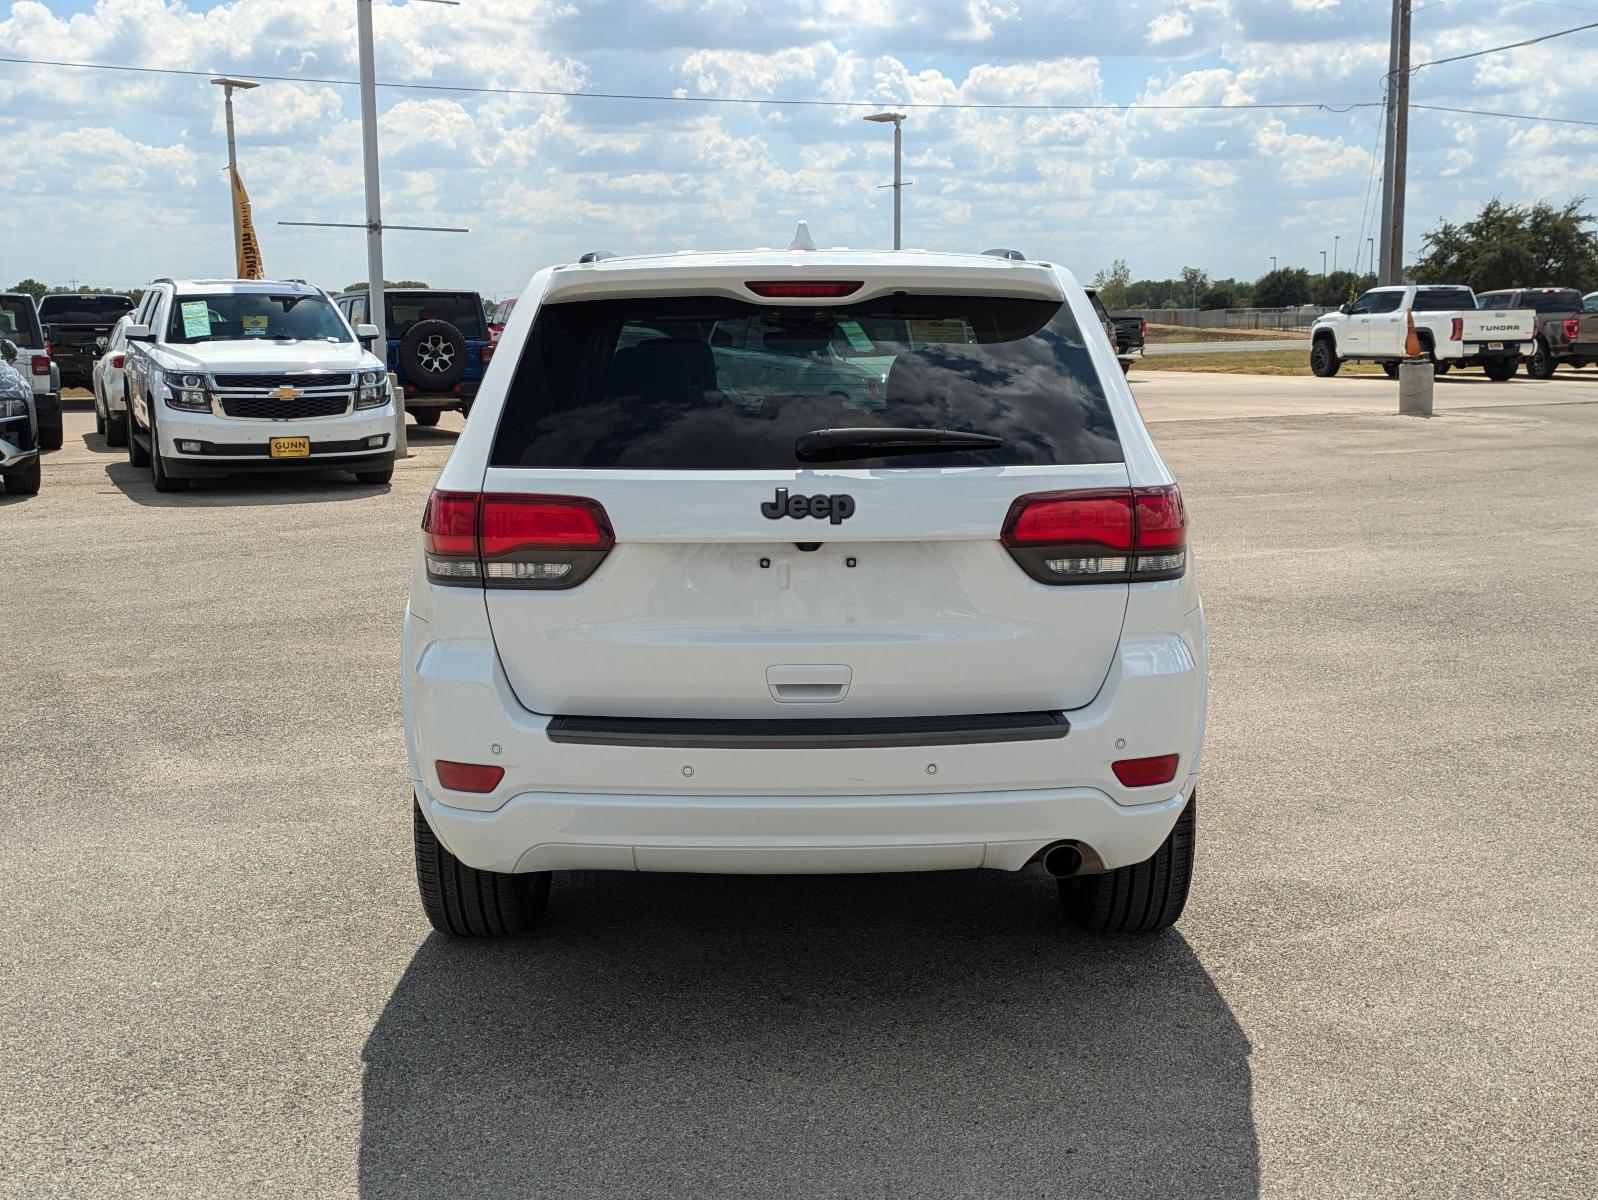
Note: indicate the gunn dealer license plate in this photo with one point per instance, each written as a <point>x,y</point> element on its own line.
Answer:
<point>291,447</point>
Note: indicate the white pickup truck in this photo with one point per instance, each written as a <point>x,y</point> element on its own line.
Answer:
<point>1451,330</point>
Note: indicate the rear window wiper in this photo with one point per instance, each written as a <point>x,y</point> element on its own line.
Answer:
<point>826,445</point>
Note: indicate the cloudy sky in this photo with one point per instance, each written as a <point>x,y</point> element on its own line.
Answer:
<point>115,177</point>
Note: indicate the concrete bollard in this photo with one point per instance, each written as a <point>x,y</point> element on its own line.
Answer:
<point>402,444</point>
<point>1416,378</point>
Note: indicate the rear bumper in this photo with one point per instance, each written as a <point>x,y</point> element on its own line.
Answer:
<point>1479,352</point>
<point>873,808</point>
<point>734,835</point>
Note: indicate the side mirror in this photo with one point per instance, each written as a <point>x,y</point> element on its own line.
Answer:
<point>367,334</point>
<point>138,333</point>
<point>1346,309</point>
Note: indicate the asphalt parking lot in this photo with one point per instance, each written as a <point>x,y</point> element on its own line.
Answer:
<point>219,981</point>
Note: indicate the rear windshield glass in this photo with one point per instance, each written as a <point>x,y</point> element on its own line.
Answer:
<point>1443,299</point>
<point>1552,302</point>
<point>246,316</point>
<point>16,322</point>
<point>83,310</point>
<point>702,383</point>
<point>460,309</point>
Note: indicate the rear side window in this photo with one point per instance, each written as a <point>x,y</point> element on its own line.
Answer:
<point>1444,299</point>
<point>17,321</point>
<point>1386,302</point>
<point>706,383</point>
<point>460,309</point>
<point>83,310</point>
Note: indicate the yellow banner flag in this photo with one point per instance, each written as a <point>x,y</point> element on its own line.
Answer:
<point>249,250</point>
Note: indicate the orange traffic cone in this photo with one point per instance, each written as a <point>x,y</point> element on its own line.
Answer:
<point>1411,342</point>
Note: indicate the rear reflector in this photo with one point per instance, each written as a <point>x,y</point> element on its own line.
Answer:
<point>1112,535</point>
<point>468,777</point>
<point>1146,772</point>
<point>476,539</point>
<point>819,289</point>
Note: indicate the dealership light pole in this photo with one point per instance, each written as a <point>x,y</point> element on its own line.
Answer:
<point>898,154</point>
<point>227,84</point>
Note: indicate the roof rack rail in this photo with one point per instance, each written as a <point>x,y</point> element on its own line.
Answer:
<point>594,256</point>
<point>1012,255</point>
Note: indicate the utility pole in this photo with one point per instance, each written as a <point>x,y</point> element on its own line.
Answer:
<point>1397,148</point>
<point>898,154</point>
<point>1335,239</point>
<point>374,204</point>
<point>1323,264</point>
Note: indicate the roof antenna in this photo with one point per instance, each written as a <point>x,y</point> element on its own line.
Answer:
<point>801,238</point>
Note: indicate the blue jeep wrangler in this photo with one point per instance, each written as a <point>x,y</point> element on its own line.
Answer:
<point>438,346</point>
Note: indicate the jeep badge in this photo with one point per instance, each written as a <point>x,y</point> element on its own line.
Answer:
<point>836,508</point>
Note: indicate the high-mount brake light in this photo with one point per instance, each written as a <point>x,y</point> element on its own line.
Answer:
<point>1456,332</point>
<point>1107,535</point>
<point>476,539</point>
<point>776,289</point>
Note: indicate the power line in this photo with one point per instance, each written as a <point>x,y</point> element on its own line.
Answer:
<point>1481,112</point>
<point>1437,62</point>
<point>1325,106</point>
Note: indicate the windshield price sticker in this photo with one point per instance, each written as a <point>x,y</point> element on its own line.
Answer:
<point>196,318</point>
<point>255,324</point>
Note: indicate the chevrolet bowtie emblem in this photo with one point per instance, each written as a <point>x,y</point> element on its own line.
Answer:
<point>286,393</point>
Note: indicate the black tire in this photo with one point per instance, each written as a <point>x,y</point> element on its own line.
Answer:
<point>465,902</point>
<point>24,480</point>
<point>1500,370</point>
<point>427,417</point>
<point>381,476</point>
<point>1542,364</point>
<point>52,431</point>
<point>1323,360</point>
<point>1440,368</point>
<point>138,456</point>
<point>432,356</point>
<point>1142,898</point>
<point>1390,369</point>
<point>116,429</point>
<point>158,473</point>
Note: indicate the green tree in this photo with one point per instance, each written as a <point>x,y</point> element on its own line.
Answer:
<point>1286,287</point>
<point>360,285</point>
<point>33,287</point>
<point>1195,280</point>
<point>1514,245</point>
<point>1112,284</point>
<point>1329,291</point>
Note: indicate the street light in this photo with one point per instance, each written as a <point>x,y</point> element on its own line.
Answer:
<point>1273,264</point>
<point>1335,239</point>
<point>228,84</point>
<point>1323,264</point>
<point>883,118</point>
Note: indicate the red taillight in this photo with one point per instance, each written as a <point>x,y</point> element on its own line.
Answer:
<point>41,363</point>
<point>1456,332</point>
<point>474,539</point>
<point>117,360</point>
<point>1101,536</point>
<point>1068,518</point>
<point>1146,772</point>
<point>818,289</point>
<point>468,777</point>
<point>1572,328</point>
<point>487,352</point>
<point>1143,327</point>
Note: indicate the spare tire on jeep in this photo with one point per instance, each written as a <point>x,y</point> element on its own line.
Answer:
<point>432,355</point>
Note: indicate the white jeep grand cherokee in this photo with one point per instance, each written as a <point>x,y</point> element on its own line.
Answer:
<point>803,562</point>
<point>223,376</point>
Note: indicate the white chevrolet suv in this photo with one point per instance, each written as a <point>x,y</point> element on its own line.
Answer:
<point>223,376</point>
<point>804,562</point>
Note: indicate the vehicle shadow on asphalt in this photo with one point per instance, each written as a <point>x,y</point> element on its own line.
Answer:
<point>914,1035</point>
<point>233,491</point>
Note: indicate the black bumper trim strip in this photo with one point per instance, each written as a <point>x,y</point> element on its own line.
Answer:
<point>821,733</point>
